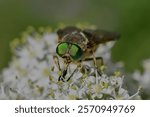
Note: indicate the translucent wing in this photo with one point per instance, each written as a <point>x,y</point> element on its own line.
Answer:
<point>96,37</point>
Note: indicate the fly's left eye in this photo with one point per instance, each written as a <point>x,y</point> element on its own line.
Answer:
<point>62,48</point>
<point>75,52</point>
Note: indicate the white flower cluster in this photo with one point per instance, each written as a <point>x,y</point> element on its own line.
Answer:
<point>33,74</point>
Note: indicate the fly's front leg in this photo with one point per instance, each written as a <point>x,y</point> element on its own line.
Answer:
<point>72,74</point>
<point>75,70</point>
<point>62,73</point>
<point>56,60</point>
<point>62,76</point>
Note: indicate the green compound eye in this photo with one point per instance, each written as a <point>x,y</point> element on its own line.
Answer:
<point>75,52</point>
<point>62,48</point>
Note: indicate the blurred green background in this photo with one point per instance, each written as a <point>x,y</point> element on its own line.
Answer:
<point>129,17</point>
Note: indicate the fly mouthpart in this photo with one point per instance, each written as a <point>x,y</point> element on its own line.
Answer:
<point>67,59</point>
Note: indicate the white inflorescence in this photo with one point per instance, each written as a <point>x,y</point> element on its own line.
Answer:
<point>33,74</point>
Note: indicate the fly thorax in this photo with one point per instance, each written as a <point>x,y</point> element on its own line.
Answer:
<point>77,38</point>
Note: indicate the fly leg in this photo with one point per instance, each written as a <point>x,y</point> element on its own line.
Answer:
<point>62,73</point>
<point>72,74</point>
<point>95,61</point>
<point>62,76</point>
<point>99,71</point>
<point>56,60</point>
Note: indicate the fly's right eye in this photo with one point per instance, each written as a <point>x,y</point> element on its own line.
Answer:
<point>62,48</point>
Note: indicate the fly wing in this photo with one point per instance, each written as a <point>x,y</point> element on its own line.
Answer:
<point>67,30</point>
<point>100,36</point>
